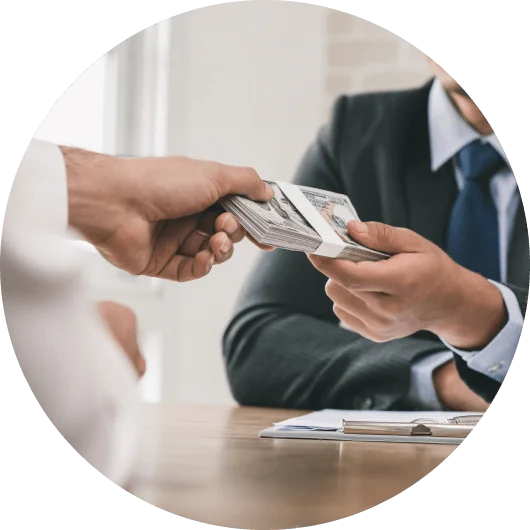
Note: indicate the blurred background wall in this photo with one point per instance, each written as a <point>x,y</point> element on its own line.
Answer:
<point>245,83</point>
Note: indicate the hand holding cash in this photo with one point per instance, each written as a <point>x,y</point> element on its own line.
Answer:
<point>303,219</point>
<point>399,283</point>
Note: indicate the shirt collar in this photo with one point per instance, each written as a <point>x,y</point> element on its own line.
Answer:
<point>448,131</point>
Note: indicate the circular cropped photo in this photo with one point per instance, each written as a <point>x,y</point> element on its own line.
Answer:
<point>265,265</point>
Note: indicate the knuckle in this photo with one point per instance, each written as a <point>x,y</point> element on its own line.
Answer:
<point>328,288</point>
<point>337,310</point>
<point>378,330</point>
<point>352,284</point>
<point>251,174</point>
<point>382,232</point>
<point>369,334</point>
<point>379,336</point>
<point>321,264</point>
<point>215,173</point>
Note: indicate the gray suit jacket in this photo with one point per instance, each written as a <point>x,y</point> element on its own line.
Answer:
<point>284,347</point>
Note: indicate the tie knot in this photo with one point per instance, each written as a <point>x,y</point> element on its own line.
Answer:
<point>479,160</point>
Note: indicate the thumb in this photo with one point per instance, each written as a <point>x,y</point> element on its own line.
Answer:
<point>386,238</point>
<point>243,181</point>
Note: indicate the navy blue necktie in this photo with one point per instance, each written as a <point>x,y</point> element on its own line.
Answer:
<point>473,237</point>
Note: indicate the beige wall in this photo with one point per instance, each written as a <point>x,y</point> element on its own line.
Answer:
<point>362,56</point>
<point>251,78</point>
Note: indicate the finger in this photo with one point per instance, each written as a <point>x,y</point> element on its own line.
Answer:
<point>358,326</point>
<point>210,223</point>
<point>232,180</point>
<point>169,239</point>
<point>228,223</point>
<point>261,246</point>
<point>198,239</point>
<point>137,359</point>
<point>351,322</point>
<point>139,363</point>
<point>363,276</point>
<point>369,308</point>
<point>122,323</point>
<point>386,238</point>
<point>346,300</point>
<point>206,224</point>
<point>185,268</point>
<point>221,246</point>
<point>193,244</point>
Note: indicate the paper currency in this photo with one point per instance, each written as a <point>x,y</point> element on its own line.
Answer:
<point>302,219</point>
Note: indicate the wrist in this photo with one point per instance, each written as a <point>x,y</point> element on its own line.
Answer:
<point>453,393</point>
<point>93,183</point>
<point>475,313</point>
<point>444,380</point>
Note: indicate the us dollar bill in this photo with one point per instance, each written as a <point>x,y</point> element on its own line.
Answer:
<point>280,223</point>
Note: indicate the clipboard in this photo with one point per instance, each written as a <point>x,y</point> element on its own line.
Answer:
<point>377,426</point>
<point>416,428</point>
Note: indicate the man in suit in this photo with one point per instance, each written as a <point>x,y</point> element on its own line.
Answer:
<point>145,215</point>
<point>428,328</point>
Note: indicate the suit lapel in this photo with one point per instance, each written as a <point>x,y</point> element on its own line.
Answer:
<point>419,198</point>
<point>430,198</point>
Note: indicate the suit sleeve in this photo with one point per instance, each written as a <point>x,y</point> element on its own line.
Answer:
<point>78,374</point>
<point>284,346</point>
<point>484,371</point>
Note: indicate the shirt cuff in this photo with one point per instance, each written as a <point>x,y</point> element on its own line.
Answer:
<point>495,359</point>
<point>421,388</point>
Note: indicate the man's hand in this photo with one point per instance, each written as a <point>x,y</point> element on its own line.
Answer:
<point>121,322</point>
<point>418,288</point>
<point>453,393</point>
<point>152,216</point>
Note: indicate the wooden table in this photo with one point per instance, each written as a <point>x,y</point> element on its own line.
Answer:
<point>207,463</point>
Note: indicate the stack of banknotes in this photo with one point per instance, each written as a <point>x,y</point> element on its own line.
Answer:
<point>302,219</point>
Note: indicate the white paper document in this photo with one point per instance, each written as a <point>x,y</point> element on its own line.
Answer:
<point>331,419</point>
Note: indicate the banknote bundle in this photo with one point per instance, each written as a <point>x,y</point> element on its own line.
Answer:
<point>302,219</point>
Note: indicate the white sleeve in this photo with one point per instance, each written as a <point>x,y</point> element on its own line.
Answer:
<point>78,374</point>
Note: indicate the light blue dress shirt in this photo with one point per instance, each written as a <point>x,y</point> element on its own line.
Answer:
<point>449,133</point>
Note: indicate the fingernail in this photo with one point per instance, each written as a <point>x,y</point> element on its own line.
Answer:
<point>230,225</point>
<point>359,227</point>
<point>270,191</point>
<point>225,247</point>
<point>211,261</point>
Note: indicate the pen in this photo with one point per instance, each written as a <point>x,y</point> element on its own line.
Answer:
<point>470,419</point>
<point>466,420</point>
